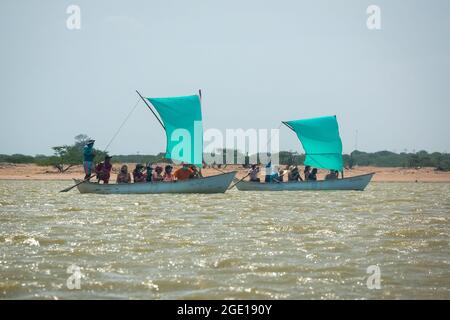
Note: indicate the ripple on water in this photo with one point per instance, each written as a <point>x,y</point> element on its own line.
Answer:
<point>238,245</point>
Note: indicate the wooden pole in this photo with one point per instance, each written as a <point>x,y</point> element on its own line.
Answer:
<point>287,125</point>
<point>239,181</point>
<point>151,109</point>
<point>83,181</point>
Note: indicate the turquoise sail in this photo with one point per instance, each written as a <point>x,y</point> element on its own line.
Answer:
<point>320,140</point>
<point>182,118</point>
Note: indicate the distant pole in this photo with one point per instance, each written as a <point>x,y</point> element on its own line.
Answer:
<point>200,93</point>
<point>356,140</point>
<point>151,109</point>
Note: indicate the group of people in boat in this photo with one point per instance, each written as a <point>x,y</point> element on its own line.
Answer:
<point>292,173</point>
<point>140,173</point>
<point>149,173</point>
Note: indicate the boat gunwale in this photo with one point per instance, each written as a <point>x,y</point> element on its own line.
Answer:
<point>292,185</point>
<point>153,182</point>
<point>311,181</point>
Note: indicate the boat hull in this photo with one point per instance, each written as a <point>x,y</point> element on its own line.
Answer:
<point>352,183</point>
<point>212,184</point>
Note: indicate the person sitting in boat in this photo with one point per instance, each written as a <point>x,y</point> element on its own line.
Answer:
<point>184,172</point>
<point>294,174</point>
<point>275,177</point>
<point>138,174</point>
<point>88,159</point>
<point>103,170</point>
<point>197,172</point>
<point>168,175</point>
<point>157,175</point>
<point>149,175</point>
<point>333,175</point>
<point>281,174</point>
<point>306,172</point>
<point>313,175</point>
<point>277,174</point>
<point>124,176</point>
<point>253,172</point>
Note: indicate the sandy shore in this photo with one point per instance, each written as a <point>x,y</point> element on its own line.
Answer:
<point>34,172</point>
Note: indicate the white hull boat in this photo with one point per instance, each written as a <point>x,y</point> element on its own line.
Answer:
<point>212,184</point>
<point>352,183</point>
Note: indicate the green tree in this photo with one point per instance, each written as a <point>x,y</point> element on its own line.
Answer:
<point>67,156</point>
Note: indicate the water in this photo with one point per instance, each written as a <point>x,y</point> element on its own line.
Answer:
<point>290,245</point>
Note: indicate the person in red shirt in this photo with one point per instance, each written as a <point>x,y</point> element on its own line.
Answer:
<point>103,170</point>
<point>184,173</point>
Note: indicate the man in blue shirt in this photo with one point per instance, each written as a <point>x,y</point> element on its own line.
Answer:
<point>268,177</point>
<point>88,159</point>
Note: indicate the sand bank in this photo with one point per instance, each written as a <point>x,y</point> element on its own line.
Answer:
<point>34,172</point>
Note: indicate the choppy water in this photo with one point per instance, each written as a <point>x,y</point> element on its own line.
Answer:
<point>290,245</point>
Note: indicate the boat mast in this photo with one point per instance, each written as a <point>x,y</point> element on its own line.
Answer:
<point>151,109</point>
<point>200,98</point>
<point>288,125</point>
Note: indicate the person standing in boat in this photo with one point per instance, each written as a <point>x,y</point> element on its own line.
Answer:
<point>268,177</point>
<point>123,176</point>
<point>138,175</point>
<point>88,159</point>
<point>103,170</point>
<point>253,172</point>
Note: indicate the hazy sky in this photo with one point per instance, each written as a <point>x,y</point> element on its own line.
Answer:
<point>257,62</point>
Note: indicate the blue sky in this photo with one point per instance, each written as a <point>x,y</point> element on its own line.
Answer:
<point>257,62</point>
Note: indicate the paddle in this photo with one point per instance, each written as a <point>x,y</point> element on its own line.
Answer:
<point>83,181</point>
<point>276,180</point>
<point>239,181</point>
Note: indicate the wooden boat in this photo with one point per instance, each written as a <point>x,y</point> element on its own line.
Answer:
<point>176,115</point>
<point>352,183</point>
<point>212,184</point>
<point>323,149</point>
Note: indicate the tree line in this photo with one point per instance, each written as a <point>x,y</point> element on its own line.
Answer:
<point>67,156</point>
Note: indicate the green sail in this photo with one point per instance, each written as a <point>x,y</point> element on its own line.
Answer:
<point>182,118</point>
<point>321,141</point>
